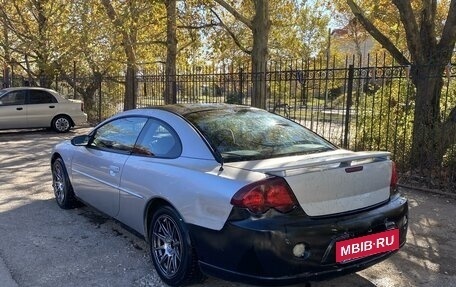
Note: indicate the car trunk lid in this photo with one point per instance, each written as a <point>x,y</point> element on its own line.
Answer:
<point>332,182</point>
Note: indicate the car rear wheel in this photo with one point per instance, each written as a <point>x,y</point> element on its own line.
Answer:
<point>173,256</point>
<point>63,190</point>
<point>61,124</point>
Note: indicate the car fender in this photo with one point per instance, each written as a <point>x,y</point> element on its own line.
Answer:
<point>66,151</point>
<point>179,182</point>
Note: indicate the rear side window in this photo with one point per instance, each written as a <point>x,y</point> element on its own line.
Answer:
<point>13,98</point>
<point>41,97</point>
<point>118,135</point>
<point>158,140</point>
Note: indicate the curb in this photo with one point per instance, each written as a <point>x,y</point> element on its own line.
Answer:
<point>435,191</point>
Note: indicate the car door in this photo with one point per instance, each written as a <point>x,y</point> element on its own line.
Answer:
<point>97,168</point>
<point>148,170</point>
<point>13,111</point>
<point>41,108</point>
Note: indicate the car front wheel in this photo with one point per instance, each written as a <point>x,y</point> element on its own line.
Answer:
<point>172,253</point>
<point>61,124</point>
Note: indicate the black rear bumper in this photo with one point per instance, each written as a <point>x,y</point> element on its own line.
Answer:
<point>260,250</point>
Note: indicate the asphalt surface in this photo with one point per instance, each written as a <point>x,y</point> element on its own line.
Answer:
<point>43,245</point>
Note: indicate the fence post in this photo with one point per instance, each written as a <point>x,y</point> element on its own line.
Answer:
<point>241,86</point>
<point>351,73</point>
<point>74,80</point>
<point>99,99</point>
<point>6,76</point>
<point>12,76</point>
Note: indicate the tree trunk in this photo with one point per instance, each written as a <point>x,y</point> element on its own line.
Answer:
<point>45,73</point>
<point>6,48</point>
<point>88,96</point>
<point>428,144</point>
<point>87,92</point>
<point>129,44</point>
<point>170,93</point>
<point>130,87</point>
<point>261,26</point>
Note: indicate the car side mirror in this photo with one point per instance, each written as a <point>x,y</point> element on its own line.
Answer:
<point>80,140</point>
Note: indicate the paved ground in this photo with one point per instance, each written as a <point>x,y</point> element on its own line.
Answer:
<point>42,245</point>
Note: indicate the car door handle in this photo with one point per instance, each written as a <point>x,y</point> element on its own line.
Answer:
<point>19,109</point>
<point>52,107</point>
<point>114,170</point>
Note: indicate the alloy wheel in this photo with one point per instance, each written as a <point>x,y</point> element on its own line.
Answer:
<point>167,245</point>
<point>58,182</point>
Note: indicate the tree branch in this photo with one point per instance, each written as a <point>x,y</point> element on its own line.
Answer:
<point>127,42</point>
<point>157,42</point>
<point>374,32</point>
<point>189,43</point>
<point>232,35</point>
<point>190,27</point>
<point>14,26</point>
<point>449,128</point>
<point>411,29</point>
<point>235,13</point>
<point>427,31</point>
<point>448,38</point>
<point>452,116</point>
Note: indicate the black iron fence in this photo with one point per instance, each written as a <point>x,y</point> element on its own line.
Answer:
<point>357,103</point>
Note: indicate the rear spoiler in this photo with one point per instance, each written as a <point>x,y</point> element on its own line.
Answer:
<point>330,162</point>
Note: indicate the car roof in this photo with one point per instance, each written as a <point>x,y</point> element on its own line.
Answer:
<point>28,88</point>
<point>186,109</point>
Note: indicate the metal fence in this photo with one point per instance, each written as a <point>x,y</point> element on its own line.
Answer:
<point>357,103</point>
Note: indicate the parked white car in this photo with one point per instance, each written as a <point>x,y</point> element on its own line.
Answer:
<point>34,107</point>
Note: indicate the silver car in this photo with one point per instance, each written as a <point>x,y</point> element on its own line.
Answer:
<point>235,192</point>
<point>34,107</point>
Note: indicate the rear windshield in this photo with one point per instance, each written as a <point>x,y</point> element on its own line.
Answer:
<point>239,134</point>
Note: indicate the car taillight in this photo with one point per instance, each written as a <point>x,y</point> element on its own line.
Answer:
<point>260,196</point>
<point>393,175</point>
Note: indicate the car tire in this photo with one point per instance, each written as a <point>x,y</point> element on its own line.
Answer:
<point>61,124</point>
<point>63,191</point>
<point>171,250</point>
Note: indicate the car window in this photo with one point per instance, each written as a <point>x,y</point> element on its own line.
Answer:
<point>118,135</point>
<point>13,98</point>
<point>250,134</point>
<point>159,140</point>
<point>41,97</point>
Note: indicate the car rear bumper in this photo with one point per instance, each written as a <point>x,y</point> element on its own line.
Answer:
<point>260,250</point>
<point>79,119</point>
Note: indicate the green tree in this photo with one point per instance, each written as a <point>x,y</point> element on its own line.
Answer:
<point>91,52</point>
<point>5,45</point>
<point>259,25</point>
<point>34,33</point>
<point>430,44</point>
<point>127,25</point>
<point>299,30</point>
